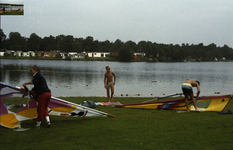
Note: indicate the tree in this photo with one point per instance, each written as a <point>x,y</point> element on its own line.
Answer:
<point>117,45</point>
<point>34,41</point>
<point>227,52</point>
<point>58,40</point>
<point>48,43</point>
<point>15,40</point>
<point>2,38</point>
<point>124,54</point>
<point>2,35</point>
<point>67,43</point>
<point>142,46</point>
<point>154,50</point>
<point>132,45</point>
<point>105,46</point>
<point>78,45</point>
<point>24,44</point>
<point>88,44</point>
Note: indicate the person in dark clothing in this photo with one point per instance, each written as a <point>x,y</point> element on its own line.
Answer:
<point>43,95</point>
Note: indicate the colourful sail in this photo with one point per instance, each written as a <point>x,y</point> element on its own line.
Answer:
<point>56,107</point>
<point>213,103</point>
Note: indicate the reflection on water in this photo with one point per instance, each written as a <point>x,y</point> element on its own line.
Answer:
<point>86,78</point>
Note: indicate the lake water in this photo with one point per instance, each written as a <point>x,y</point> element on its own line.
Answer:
<point>86,78</point>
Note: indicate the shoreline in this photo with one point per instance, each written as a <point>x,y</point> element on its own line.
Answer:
<point>97,59</point>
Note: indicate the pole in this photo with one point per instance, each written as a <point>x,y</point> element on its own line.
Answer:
<point>163,97</point>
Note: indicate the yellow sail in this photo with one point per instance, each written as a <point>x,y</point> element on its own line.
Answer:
<point>213,103</point>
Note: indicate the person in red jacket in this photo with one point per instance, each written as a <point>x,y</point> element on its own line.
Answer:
<point>43,94</point>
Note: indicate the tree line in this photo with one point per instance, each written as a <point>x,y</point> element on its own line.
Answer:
<point>154,51</point>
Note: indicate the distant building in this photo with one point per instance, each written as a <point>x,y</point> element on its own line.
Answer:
<point>18,53</point>
<point>138,56</point>
<point>9,53</point>
<point>114,54</point>
<point>31,53</point>
<point>73,54</point>
<point>45,54</point>
<point>97,54</point>
<point>2,54</point>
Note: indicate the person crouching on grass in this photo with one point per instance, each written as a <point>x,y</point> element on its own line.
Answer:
<point>188,91</point>
<point>108,83</point>
<point>43,94</point>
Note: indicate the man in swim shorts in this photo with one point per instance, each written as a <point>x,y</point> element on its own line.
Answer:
<point>108,83</point>
<point>188,91</point>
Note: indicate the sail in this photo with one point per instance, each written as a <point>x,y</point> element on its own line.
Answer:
<point>56,106</point>
<point>213,103</point>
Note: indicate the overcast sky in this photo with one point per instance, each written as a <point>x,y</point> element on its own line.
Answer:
<point>160,21</point>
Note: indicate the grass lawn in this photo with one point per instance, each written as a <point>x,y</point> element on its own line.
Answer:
<point>131,129</point>
<point>13,13</point>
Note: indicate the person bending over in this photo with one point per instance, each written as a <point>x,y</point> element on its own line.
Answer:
<point>43,94</point>
<point>188,91</point>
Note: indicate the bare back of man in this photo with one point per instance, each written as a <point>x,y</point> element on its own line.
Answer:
<point>187,90</point>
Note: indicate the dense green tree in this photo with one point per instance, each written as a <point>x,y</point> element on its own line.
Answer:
<point>47,44</point>
<point>226,52</point>
<point>78,45</point>
<point>96,46</point>
<point>161,52</point>
<point>88,44</point>
<point>142,46</point>
<point>67,44</point>
<point>105,46</point>
<point>34,41</point>
<point>2,35</point>
<point>125,54</point>
<point>58,41</point>
<point>117,45</point>
<point>2,39</point>
<point>132,45</point>
<point>15,41</point>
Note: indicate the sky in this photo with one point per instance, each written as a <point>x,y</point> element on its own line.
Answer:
<point>160,21</point>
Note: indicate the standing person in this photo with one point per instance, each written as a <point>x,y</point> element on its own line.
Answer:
<point>188,91</point>
<point>108,83</point>
<point>43,94</point>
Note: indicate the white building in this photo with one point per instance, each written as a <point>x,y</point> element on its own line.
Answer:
<point>18,53</point>
<point>140,54</point>
<point>31,53</point>
<point>1,53</point>
<point>73,54</point>
<point>97,54</point>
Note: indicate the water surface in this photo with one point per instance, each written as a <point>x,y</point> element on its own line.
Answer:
<point>86,78</point>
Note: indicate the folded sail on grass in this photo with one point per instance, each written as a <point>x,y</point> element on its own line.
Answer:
<point>213,103</point>
<point>56,106</point>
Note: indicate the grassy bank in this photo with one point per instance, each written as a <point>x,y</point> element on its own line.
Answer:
<point>131,129</point>
<point>13,13</point>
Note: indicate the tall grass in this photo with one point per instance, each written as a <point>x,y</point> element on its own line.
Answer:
<point>131,129</point>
